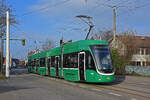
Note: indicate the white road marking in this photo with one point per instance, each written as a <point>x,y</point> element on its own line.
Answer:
<point>82,86</point>
<point>96,89</point>
<point>143,83</point>
<point>66,82</point>
<point>114,94</point>
<point>133,99</point>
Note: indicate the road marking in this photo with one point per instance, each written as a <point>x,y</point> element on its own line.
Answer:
<point>82,86</point>
<point>133,99</point>
<point>114,94</point>
<point>143,83</point>
<point>66,82</point>
<point>96,89</point>
<point>69,83</point>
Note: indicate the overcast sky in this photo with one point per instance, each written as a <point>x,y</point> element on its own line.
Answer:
<point>52,19</point>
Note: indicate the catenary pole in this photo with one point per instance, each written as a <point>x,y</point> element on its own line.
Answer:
<point>114,26</point>
<point>7,44</point>
<point>2,48</point>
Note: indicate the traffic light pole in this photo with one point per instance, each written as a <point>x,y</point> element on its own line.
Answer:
<point>2,48</point>
<point>2,51</point>
<point>7,45</point>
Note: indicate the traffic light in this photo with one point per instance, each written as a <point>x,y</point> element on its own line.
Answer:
<point>23,42</point>
<point>61,41</point>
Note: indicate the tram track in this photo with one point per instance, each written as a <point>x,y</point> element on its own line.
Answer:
<point>133,92</point>
<point>142,94</point>
<point>136,85</point>
<point>143,85</point>
<point>127,90</point>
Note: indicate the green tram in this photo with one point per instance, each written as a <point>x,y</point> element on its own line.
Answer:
<point>84,60</point>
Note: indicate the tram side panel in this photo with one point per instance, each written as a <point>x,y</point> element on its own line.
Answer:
<point>70,67</point>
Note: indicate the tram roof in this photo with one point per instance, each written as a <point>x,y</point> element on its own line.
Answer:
<point>88,42</point>
<point>82,45</point>
<point>69,48</point>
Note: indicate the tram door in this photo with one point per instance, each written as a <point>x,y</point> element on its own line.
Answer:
<point>36,63</point>
<point>33,65</point>
<point>57,65</point>
<point>48,65</point>
<point>81,65</point>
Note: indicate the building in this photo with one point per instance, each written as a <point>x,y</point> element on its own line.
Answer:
<point>141,54</point>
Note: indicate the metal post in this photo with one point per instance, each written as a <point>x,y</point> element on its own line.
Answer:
<point>2,46</point>
<point>7,44</point>
<point>114,26</point>
<point>62,47</point>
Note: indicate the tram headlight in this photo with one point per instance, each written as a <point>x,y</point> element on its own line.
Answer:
<point>108,78</point>
<point>92,73</point>
<point>99,79</point>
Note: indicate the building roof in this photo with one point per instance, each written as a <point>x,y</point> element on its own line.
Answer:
<point>142,41</point>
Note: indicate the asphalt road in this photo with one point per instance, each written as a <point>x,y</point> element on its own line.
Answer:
<point>24,86</point>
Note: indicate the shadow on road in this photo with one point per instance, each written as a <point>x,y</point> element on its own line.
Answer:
<point>18,71</point>
<point>4,89</point>
<point>118,79</point>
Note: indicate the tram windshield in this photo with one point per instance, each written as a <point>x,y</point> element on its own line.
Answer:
<point>102,57</point>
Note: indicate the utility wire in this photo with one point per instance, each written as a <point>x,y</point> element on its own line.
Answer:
<point>135,8</point>
<point>102,4</point>
<point>44,8</point>
<point>125,2</point>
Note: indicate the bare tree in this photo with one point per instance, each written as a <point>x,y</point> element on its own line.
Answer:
<point>104,35</point>
<point>127,43</point>
<point>124,50</point>
<point>3,8</point>
<point>48,44</point>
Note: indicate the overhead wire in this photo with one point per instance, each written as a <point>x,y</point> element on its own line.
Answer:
<point>44,8</point>
<point>134,8</point>
<point>38,10</point>
<point>65,1</point>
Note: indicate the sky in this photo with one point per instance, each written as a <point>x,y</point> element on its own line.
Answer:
<point>40,20</point>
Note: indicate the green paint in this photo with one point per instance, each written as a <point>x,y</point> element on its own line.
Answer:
<point>29,69</point>
<point>42,71</point>
<point>93,76</point>
<point>53,71</point>
<point>70,74</point>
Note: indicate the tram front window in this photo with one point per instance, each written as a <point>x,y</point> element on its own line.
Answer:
<point>102,57</point>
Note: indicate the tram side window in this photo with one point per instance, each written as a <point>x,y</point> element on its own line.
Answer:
<point>70,60</point>
<point>37,62</point>
<point>33,63</point>
<point>66,61</point>
<point>57,62</point>
<point>89,61</point>
<point>48,62</point>
<point>74,60</point>
<point>42,62</point>
<point>29,63</point>
<point>53,61</point>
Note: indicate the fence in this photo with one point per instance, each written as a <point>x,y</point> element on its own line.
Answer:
<point>138,70</point>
